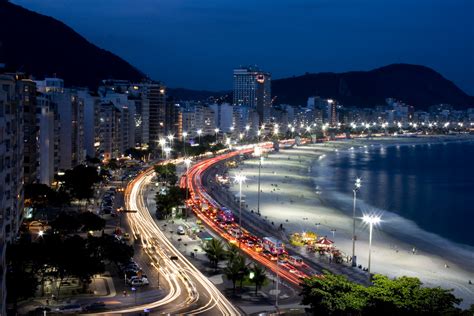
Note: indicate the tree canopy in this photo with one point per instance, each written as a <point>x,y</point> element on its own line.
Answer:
<point>79,182</point>
<point>331,294</point>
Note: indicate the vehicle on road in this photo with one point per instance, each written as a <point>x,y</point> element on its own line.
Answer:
<point>180,230</point>
<point>139,282</point>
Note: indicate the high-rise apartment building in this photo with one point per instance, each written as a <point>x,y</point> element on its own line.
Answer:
<point>156,95</point>
<point>252,87</point>
<point>70,109</point>
<point>48,139</point>
<point>11,169</point>
<point>26,91</point>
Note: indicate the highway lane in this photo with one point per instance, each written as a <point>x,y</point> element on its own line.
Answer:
<point>200,196</point>
<point>188,290</point>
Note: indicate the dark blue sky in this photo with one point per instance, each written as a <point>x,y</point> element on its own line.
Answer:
<point>197,43</point>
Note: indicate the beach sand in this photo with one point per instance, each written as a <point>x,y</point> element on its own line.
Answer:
<point>289,196</point>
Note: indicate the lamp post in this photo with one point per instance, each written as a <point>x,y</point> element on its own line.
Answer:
<point>276,286</point>
<point>159,265</point>
<point>240,178</point>
<point>170,139</point>
<point>162,143</point>
<point>185,134</point>
<point>167,152</point>
<point>187,162</point>
<point>247,128</point>
<point>134,290</point>
<point>258,152</point>
<point>199,132</point>
<point>217,133</point>
<point>357,185</point>
<point>371,220</point>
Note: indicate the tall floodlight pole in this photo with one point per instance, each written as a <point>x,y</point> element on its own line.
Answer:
<point>258,153</point>
<point>162,143</point>
<point>217,133</point>
<point>371,220</point>
<point>199,132</point>
<point>187,162</point>
<point>167,152</point>
<point>357,185</point>
<point>240,179</point>
<point>276,287</point>
<point>185,134</point>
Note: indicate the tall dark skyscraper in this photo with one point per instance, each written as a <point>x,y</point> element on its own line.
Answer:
<point>252,87</point>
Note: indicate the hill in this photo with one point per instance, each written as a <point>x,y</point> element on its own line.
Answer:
<point>416,85</point>
<point>43,46</point>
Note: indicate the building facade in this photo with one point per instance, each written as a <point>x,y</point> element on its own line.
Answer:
<point>252,87</point>
<point>11,169</point>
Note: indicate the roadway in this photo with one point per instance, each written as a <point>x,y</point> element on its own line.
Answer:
<point>187,290</point>
<point>205,196</point>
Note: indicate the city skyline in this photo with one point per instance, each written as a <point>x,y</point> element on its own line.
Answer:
<point>380,33</point>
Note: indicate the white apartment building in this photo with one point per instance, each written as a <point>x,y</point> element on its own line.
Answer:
<point>11,171</point>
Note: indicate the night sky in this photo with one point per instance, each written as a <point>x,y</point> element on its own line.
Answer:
<point>197,43</point>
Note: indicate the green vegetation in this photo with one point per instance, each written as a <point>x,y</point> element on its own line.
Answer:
<point>79,182</point>
<point>137,154</point>
<point>257,276</point>
<point>215,251</point>
<point>331,294</point>
<point>166,173</point>
<point>54,258</point>
<point>165,203</point>
<point>66,223</point>
<point>40,196</point>
<point>236,270</point>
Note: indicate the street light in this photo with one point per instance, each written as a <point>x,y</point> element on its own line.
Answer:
<point>217,133</point>
<point>357,186</point>
<point>162,143</point>
<point>371,220</point>
<point>199,132</point>
<point>170,138</point>
<point>258,153</point>
<point>167,151</point>
<point>240,178</point>
<point>187,162</point>
<point>185,134</point>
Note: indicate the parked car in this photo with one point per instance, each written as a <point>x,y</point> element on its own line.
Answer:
<point>139,282</point>
<point>136,277</point>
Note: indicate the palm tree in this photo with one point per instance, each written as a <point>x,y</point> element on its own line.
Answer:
<point>214,251</point>
<point>234,270</point>
<point>258,276</point>
<point>232,251</point>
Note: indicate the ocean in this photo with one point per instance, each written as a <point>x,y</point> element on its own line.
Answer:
<point>430,185</point>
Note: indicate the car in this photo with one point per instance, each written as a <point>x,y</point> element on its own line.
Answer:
<point>136,277</point>
<point>70,309</point>
<point>180,230</point>
<point>139,282</point>
<point>96,306</point>
<point>126,236</point>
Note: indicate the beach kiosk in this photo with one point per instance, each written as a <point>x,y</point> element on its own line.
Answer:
<point>324,244</point>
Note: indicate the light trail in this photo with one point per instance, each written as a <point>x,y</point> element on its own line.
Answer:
<point>186,285</point>
<point>199,196</point>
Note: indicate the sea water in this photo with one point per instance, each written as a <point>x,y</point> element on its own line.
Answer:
<point>430,185</point>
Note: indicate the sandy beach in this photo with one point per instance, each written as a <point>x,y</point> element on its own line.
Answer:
<point>292,196</point>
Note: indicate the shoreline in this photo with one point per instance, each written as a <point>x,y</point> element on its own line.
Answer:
<point>289,171</point>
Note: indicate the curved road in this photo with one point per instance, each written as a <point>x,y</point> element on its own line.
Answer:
<point>188,290</point>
